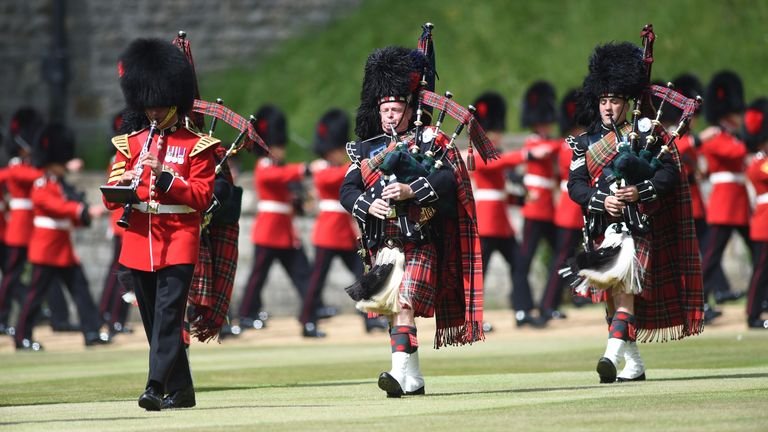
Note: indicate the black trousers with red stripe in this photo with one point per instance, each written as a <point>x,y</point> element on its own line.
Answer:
<point>507,247</point>
<point>758,285</point>
<point>534,232</point>
<point>293,260</point>
<point>112,308</point>
<point>162,298</point>
<point>13,289</point>
<point>712,272</point>
<point>567,241</point>
<point>323,259</point>
<point>73,277</point>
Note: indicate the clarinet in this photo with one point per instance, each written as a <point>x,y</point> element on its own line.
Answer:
<point>139,170</point>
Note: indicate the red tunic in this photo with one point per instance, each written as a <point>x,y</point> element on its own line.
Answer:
<point>157,240</point>
<point>757,172</point>
<point>19,178</point>
<point>728,201</point>
<point>568,214</point>
<point>491,195</point>
<point>54,218</point>
<point>689,156</point>
<point>114,216</point>
<point>3,204</point>
<point>334,227</point>
<point>539,180</point>
<point>273,225</point>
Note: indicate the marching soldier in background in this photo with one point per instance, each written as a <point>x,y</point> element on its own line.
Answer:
<point>334,233</point>
<point>26,127</point>
<point>728,204</point>
<point>756,138</point>
<point>273,234</point>
<point>418,218</point>
<point>57,208</point>
<point>491,198</point>
<point>113,309</point>
<point>539,114</point>
<point>568,217</point>
<point>171,170</point>
<point>647,271</point>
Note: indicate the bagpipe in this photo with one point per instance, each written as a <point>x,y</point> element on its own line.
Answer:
<point>613,264</point>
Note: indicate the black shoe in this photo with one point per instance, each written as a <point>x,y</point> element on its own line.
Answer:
<point>378,323</point>
<point>487,327</point>
<point>93,339</point>
<point>639,378</point>
<point>3,328</point>
<point>389,384</point>
<point>525,318</point>
<point>66,327</point>
<point>553,314</point>
<point>418,392</point>
<point>607,370</point>
<point>179,399</point>
<point>247,323</point>
<point>727,296</point>
<point>29,345</point>
<point>758,324</point>
<point>151,399</point>
<point>229,331</point>
<point>325,312</point>
<point>710,314</point>
<point>311,331</point>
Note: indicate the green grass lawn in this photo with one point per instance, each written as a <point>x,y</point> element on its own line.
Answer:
<point>515,380</point>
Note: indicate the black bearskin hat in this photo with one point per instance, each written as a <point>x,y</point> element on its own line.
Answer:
<point>725,95</point>
<point>155,73</point>
<point>26,125</point>
<point>567,118</point>
<point>615,69</point>
<point>539,105</point>
<point>332,131</point>
<point>491,111</point>
<point>56,145</point>
<point>756,124</point>
<point>391,74</point>
<point>272,126</point>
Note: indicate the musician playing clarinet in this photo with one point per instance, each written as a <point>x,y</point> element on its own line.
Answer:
<point>415,205</point>
<point>174,168</point>
<point>648,268</point>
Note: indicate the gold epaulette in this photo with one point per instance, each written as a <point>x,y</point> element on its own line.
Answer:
<point>121,144</point>
<point>203,143</point>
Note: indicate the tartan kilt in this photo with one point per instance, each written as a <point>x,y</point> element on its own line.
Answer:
<point>417,290</point>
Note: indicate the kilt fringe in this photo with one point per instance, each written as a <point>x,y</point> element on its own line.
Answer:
<point>465,334</point>
<point>672,333</point>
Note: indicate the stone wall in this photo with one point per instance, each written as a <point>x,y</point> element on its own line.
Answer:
<point>97,31</point>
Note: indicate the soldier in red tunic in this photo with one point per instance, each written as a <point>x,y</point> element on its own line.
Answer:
<point>335,232</point>
<point>273,234</point>
<point>568,218</point>
<point>491,199</point>
<point>57,209</point>
<point>756,137</point>
<point>173,168</point>
<point>26,126</point>
<point>728,204</point>
<point>538,115</point>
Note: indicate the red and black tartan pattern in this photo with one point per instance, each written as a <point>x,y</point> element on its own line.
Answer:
<point>477,136</point>
<point>233,119</point>
<point>214,277</point>
<point>671,305</point>
<point>459,290</point>
<point>687,105</point>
